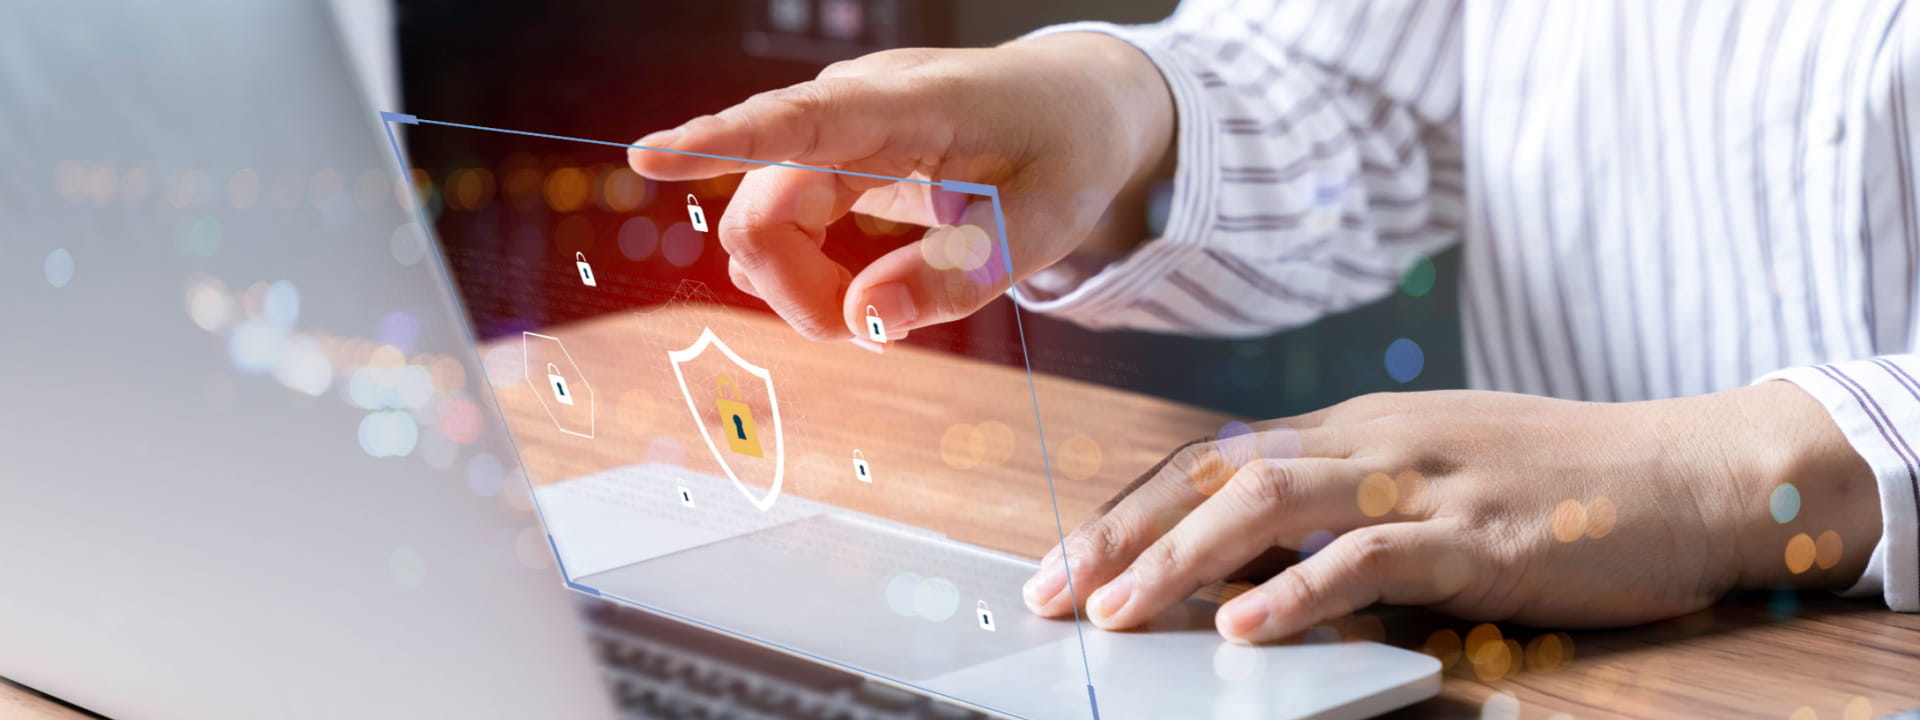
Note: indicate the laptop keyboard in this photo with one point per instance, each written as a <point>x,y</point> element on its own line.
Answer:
<point>659,668</point>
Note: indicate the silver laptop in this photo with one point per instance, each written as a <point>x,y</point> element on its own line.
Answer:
<point>256,470</point>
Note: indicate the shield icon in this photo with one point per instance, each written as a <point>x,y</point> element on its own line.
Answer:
<point>680,358</point>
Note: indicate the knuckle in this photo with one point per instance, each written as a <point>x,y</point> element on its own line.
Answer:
<point>1302,588</point>
<point>1164,559</point>
<point>1372,550</point>
<point>1267,486</point>
<point>1101,545</point>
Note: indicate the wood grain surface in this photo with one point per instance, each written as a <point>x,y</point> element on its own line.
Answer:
<point>954,447</point>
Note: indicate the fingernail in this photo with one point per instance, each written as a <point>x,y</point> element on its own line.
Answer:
<point>1109,599</point>
<point>660,139</point>
<point>1052,555</point>
<point>1045,585</point>
<point>891,302</point>
<point>868,345</point>
<point>1241,617</point>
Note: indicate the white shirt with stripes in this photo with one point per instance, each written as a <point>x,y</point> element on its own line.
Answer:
<point>1656,198</point>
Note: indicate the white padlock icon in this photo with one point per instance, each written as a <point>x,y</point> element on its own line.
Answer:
<point>559,383</point>
<point>984,615</point>
<point>686,496</point>
<point>876,330</point>
<point>694,212</point>
<point>860,470</point>
<point>586,271</point>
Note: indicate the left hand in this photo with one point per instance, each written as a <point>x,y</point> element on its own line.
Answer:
<point>1483,505</point>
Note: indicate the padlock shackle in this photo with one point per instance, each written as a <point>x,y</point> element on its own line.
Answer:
<point>553,369</point>
<point>580,256</point>
<point>724,384</point>
<point>872,311</point>
<point>691,200</point>
<point>859,455</point>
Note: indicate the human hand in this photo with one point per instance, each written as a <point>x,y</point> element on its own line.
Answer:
<point>1488,506</point>
<point>1068,126</point>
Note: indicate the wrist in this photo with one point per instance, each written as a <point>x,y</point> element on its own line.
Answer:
<point>1807,506</point>
<point>1134,130</point>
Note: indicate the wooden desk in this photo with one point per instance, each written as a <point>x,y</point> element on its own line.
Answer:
<point>1751,656</point>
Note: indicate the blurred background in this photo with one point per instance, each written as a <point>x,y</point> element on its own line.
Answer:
<point>616,71</point>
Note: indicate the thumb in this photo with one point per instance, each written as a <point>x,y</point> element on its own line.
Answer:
<point>949,273</point>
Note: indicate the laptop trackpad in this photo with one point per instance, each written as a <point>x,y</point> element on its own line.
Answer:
<point>894,604</point>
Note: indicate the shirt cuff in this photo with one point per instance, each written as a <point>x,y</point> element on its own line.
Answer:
<point>1097,299</point>
<point>1876,404</point>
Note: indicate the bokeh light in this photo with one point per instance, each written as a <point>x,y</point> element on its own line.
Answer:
<point>1545,653</point>
<point>303,366</point>
<point>255,346</point>
<point>461,420</point>
<point>1503,705</point>
<point>388,433</point>
<point>101,183</point>
<point>1405,360</point>
<point>408,244</point>
<point>281,304</point>
<point>1601,517</point>
<point>1315,542</point>
<point>59,267</point>
<point>1377,494</point>
<point>486,475</point>
<point>566,189</point>
<point>1569,521</point>
<point>209,304</point>
<point>638,238</point>
<point>1857,708</point>
<point>960,447</point>
<point>1411,489</point>
<point>623,190</point>
<point>1079,457</point>
<point>1827,550</point>
<point>199,237</point>
<point>682,245</point>
<point>1416,279</point>
<point>1784,503</point>
<point>399,329</point>
<point>1443,645</point>
<point>1800,553</point>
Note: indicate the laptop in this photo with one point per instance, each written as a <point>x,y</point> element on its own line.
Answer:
<point>256,468</point>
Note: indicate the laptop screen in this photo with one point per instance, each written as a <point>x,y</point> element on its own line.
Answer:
<point>873,504</point>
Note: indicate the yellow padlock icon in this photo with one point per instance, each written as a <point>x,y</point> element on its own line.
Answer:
<point>736,422</point>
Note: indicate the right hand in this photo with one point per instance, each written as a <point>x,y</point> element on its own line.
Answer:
<point>1072,128</point>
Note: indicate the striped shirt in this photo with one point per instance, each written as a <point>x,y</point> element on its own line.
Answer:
<point>1655,198</point>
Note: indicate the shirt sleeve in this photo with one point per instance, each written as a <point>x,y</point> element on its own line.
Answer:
<point>1315,159</point>
<point>1876,403</point>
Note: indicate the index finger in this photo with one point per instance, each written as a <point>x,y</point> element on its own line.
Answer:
<point>820,122</point>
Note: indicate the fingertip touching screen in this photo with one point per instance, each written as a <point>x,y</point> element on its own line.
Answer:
<point>872,502</point>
